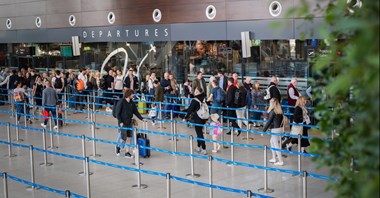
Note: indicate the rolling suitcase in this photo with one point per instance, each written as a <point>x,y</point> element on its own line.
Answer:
<point>143,140</point>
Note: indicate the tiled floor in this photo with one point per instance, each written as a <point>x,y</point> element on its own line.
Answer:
<point>114,182</point>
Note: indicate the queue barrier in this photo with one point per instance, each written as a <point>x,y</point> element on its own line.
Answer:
<point>138,170</point>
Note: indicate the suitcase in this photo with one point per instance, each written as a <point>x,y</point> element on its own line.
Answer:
<point>141,106</point>
<point>143,140</point>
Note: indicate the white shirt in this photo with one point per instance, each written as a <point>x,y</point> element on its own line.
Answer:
<point>118,82</point>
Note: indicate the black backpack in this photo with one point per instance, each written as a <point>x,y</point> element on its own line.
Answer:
<point>114,107</point>
<point>237,97</point>
<point>58,83</point>
<point>103,84</point>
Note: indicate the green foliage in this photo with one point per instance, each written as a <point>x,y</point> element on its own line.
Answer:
<point>350,84</point>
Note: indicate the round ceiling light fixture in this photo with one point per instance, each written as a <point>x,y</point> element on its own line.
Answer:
<point>275,8</point>
<point>157,15</point>
<point>210,12</point>
<point>38,22</point>
<point>111,18</point>
<point>72,20</point>
<point>8,23</point>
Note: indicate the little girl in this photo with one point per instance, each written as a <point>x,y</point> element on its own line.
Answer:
<point>216,130</point>
<point>152,113</point>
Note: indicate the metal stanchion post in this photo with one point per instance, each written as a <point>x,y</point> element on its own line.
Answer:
<point>192,174</point>
<point>249,193</point>
<point>33,108</point>
<point>228,126</point>
<point>45,163</point>
<point>84,155</point>
<point>210,175</point>
<point>171,126</point>
<point>299,150</point>
<point>67,194</point>
<point>57,117</point>
<point>51,136</point>
<point>168,186</point>
<point>67,106</point>
<point>25,120</point>
<point>87,171</point>
<point>9,140</point>
<point>139,184</point>
<point>18,139</point>
<point>175,135</point>
<point>304,184</point>
<point>136,149</point>
<point>248,130</point>
<point>160,115</point>
<point>5,184</point>
<point>94,154</point>
<point>232,149</point>
<point>31,169</point>
<point>265,189</point>
<point>88,107</point>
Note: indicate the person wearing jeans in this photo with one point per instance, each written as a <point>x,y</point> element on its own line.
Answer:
<point>49,102</point>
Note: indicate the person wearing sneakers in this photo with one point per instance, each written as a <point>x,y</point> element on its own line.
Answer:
<point>215,130</point>
<point>194,107</point>
<point>49,102</point>
<point>125,109</point>
<point>275,117</point>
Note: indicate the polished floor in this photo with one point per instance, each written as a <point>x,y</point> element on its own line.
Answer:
<point>114,182</point>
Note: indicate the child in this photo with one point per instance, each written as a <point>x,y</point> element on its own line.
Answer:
<point>153,113</point>
<point>216,130</point>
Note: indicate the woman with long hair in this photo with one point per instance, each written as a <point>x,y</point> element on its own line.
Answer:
<point>275,119</point>
<point>257,102</point>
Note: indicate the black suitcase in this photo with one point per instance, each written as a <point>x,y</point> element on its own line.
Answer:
<point>143,140</point>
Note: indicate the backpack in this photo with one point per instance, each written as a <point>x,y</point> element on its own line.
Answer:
<point>237,97</point>
<point>58,83</point>
<point>80,85</point>
<point>268,96</point>
<point>114,108</point>
<point>217,130</point>
<point>220,95</point>
<point>203,111</point>
<point>103,84</point>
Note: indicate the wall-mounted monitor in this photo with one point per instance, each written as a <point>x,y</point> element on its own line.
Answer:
<point>66,50</point>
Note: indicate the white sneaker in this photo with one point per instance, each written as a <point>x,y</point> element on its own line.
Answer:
<point>273,160</point>
<point>203,152</point>
<point>198,149</point>
<point>214,151</point>
<point>279,163</point>
<point>55,127</point>
<point>43,125</point>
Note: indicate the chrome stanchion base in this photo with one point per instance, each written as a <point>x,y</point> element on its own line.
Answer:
<point>47,164</point>
<point>13,155</point>
<point>263,190</point>
<point>170,139</point>
<point>95,156</point>
<point>31,188</point>
<point>134,164</point>
<point>83,173</point>
<point>230,164</point>
<point>142,186</point>
<point>249,138</point>
<point>195,175</point>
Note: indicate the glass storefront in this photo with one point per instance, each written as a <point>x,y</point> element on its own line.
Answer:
<point>283,58</point>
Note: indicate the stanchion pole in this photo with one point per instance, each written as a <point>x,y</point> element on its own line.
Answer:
<point>51,135</point>
<point>33,108</point>
<point>18,139</point>
<point>232,149</point>
<point>9,140</point>
<point>192,174</point>
<point>5,184</point>
<point>88,106</point>
<point>210,175</point>
<point>171,126</point>
<point>304,184</point>
<point>248,131</point>
<point>84,155</point>
<point>228,126</point>
<point>94,154</point>
<point>299,150</point>
<point>87,171</point>
<point>160,114</point>
<point>265,189</point>
<point>67,106</point>
<point>25,120</point>
<point>45,163</point>
<point>67,194</point>
<point>168,186</point>
<point>249,193</point>
<point>136,149</point>
<point>175,135</point>
<point>57,117</point>
<point>139,184</point>
<point>31,156</point>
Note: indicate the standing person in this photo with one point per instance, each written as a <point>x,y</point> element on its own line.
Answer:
<point>166,86</point>
<point>258,103</point>
<point>217,98</point>
<point>152,78</point>
<point>37,91</point>
<point>158,96</point>
<point>187,91</point>
<point>241,105</point>
<point>230,96</point>
<point>125,109</point>
<point>293,95</point>
<point>215,130</point>
<point>82,87</point>
<point>195,105</point>
<point>276,119</point>
<point>20,98</point>
<point>222,80</point>
<point>210,86</point>
<point>274,91</point>
<point>49,102</point>
<point>118,83</point>
<point>58,84</point>
<point>110,81</point>
<point>131,81</point>
<point>199,82</point>
<point>301,117</point>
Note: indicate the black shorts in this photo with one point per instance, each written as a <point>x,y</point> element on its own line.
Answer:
<point>126,133</point>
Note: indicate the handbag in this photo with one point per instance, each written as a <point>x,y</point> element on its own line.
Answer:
<point>296,130</point>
